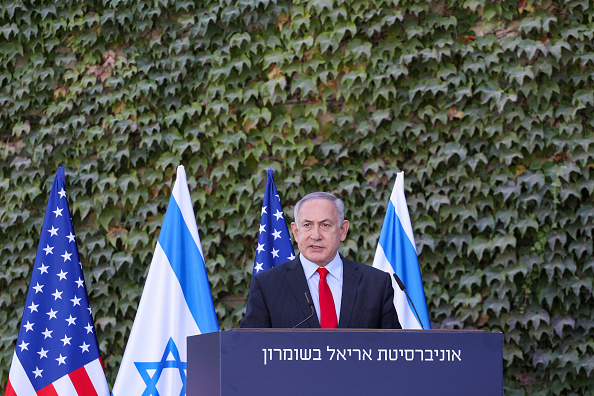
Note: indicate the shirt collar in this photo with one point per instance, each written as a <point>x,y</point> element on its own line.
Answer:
<point>334,267</point>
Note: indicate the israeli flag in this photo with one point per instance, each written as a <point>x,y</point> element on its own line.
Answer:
<point>176,302</point>
<point>396,253</point>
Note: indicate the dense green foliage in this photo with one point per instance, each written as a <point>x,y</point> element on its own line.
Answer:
<point>486,106</point>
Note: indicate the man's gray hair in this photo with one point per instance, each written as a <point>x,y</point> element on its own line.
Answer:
<point>338,204</point>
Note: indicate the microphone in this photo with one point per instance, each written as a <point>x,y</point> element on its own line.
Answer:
<point>313,311</point>
<point>403,288</point>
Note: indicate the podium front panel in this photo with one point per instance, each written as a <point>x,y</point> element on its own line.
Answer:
<point>347,362</point>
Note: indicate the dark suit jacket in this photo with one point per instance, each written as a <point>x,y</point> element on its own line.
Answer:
<point>277,298</point>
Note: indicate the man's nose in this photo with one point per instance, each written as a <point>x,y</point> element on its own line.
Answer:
<point>315,233</point>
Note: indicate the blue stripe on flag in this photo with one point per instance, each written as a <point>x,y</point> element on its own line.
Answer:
<point>180,248</point>
<point>402,255</point>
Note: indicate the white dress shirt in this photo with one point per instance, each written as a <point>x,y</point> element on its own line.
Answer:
<point>334,279</point>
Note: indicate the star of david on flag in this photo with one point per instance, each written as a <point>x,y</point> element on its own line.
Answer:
<point>397,253</point>
<point>274,242</point>
<point>151,371</point>
<point>176,303</point>
<point>57,351</point>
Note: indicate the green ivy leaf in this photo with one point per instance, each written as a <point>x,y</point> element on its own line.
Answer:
<point>358,49</point>
<point>305,85</point>
<point>478,246</point>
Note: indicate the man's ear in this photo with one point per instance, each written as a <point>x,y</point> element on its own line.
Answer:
<point>344,229</point>
<point>295,230</point>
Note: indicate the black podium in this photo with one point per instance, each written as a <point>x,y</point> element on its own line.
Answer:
<point>345,362</point>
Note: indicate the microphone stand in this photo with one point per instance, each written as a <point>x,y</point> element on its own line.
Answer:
<point>310,303</point>
<point>403,288</point>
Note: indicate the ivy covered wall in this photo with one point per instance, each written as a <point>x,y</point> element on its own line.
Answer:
<point>487,106</point>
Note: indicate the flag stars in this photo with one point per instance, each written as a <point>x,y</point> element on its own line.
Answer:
<point>52,315</point>
<point>61,359</point>
<point>62,274</point>
<point>291,257</point>
<point>66,340</point>
<point>70,237</point>
<point>66,256</point>
<point>89,328</point>
<point>37,372</point>
<point>62,193</point>
<point>71,320</point>
<point>29,326</point>
<point>33,307</point>
<point>53,231</point>
<point>278,214</point>
<point>43,353</point>
<point>58,212</point>
<point>47,333</point>
<point>48,249</point>
<point>79,282</point>
<point>84,347</point>
<point>75,301</point>
<point>38,288</point>
<point>43,268</point>
<point>276,234</point>
<point>272,251</point>
<point>24,346</point>
<point>57,294</point>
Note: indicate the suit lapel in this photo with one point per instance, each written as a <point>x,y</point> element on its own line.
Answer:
<point>296,279</point>
<point>350,283</point>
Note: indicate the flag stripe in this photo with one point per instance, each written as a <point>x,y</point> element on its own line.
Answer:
<point>398,201</point>
<point>64,386</point>
<point>48,391</point>
<point>9,390</point>
<point>180,190</point>
<point>96,374</point>
<point>20,383</point>
<point>393,241</point>
<point>82,383</point>
<point>192,278</point>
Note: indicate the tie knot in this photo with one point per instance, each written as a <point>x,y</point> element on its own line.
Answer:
<point>323,272</point>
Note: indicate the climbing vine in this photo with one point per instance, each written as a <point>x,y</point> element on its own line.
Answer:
<point>486,106</point>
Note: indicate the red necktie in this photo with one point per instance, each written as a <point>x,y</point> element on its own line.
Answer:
<point>327,309</point>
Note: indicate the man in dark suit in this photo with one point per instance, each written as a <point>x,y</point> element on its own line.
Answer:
<point>344,293</point>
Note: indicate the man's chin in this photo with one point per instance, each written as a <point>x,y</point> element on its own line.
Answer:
<point>318,258</point>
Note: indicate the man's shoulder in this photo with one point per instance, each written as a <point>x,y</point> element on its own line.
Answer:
<point>364,268</point>
<point>274,272</point>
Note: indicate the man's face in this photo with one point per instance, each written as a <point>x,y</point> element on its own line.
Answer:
<point>319,234</point>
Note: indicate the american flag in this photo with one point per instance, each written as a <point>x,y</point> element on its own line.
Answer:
<point>57,351</point>
<point>274,242</point>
